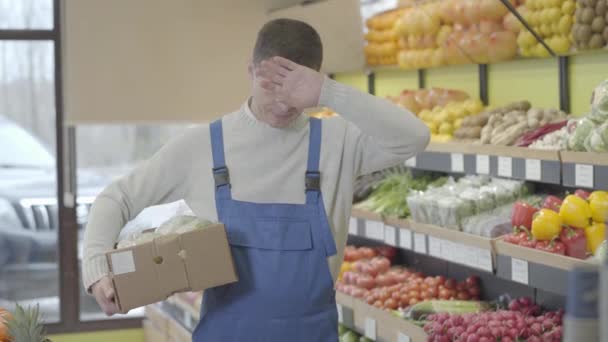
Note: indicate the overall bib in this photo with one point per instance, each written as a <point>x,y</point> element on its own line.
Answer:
<point>285,291</point>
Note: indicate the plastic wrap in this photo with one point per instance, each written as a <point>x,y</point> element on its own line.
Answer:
<point>599,103</point>
<point>176,225</point>
<point>584,127</point>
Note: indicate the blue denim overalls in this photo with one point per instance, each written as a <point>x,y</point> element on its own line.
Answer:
<point>285,291</point>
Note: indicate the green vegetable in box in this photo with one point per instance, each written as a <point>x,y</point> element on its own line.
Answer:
<point>599,102</point>
<point>584,127</point>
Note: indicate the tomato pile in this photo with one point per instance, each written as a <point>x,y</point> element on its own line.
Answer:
<point>523,320</point>
<point>368,275</point>
<point>573,226</point>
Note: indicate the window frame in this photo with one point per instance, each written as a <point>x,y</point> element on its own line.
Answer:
<point>69,272</point>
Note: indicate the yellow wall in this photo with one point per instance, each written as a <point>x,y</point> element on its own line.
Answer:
<point>131,335</point>
<point>535,80</point>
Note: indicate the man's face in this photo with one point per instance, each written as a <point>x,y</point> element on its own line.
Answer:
<point>267,108</point>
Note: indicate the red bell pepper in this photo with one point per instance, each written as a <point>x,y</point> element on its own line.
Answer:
<point>553,203</point>
<point>582,194</point>
<point>575,242</point>
<point>522,215</point>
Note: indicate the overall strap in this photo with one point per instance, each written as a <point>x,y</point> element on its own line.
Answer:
<point>313,176</point>
<point>220,171</point>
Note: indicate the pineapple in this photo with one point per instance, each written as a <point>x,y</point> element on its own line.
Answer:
<point>26,325</point>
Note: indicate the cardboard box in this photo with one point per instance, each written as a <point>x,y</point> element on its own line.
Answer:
<point>151,272</point>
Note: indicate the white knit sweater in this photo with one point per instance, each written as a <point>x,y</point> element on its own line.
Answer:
<point>266,164</point>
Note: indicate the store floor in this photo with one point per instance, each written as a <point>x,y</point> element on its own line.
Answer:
<point>131,335</point>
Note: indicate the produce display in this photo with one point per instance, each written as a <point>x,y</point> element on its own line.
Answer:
<point>381,47</point>
<point>590,30</point>
<point>590,133</point>
<point>507,124</point>
<point>574,226</point>
<point>442,121</point>
<point>449,205</point>
<point>347,335</point>
<point>176,225</point>
<point>370,277</point>
<point>389,196</point>
<point>436,33</point>
<point>553,21</point>
<point>419,100</point>
<point>521,320</point>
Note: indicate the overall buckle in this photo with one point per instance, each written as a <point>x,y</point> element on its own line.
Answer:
<point>312,181</point>
<point>221,176</point>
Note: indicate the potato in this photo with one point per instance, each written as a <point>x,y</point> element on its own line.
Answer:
<point>600,8</point>
<point>473,132</point>
<point>596,41</point>
<point>579,14</point>
<point>605,34</point>
<point>598,24</point>
<point>587,16</point>
<point>584,33</point>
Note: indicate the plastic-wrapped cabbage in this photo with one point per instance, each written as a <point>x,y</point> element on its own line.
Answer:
<point>181,224</point>
<point>595,143</point>
<point>599,103</point>
<point>584,127</point>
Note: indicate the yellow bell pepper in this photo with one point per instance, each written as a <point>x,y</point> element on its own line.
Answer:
<point>345,267</point>
<point>575,212</point>
<point>547,225</point>
<point>596,234</point>
<point>598,202</point>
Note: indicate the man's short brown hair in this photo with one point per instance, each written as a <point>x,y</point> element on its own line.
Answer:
<point>291,39</point>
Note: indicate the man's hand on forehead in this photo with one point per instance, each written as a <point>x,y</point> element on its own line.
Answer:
<point>290,83</point>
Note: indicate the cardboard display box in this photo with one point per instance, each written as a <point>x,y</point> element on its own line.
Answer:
<point>152,271</point>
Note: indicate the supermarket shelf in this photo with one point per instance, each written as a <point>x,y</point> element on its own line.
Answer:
<point>450,245</point>
<point>584,169</point>
<point>535,268</point>
<point>376,324</point>
<point>499,161</point>
<point>538,269</point>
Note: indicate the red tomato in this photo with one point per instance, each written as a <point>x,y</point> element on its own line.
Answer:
<point>357,293</point>
<point>472,281</point>
<point>400,277</point>
<point>413,301</point>
<point>366,281</point>
<point>522,215</point>
<point>370,299</point>
<point>433,292</point>
<point>387,251</point>
<point>450,284</point>
<point>378,304</point>
<point>462,295</point>
<point>582,194</point>
<point>474,291</point>
<point>461,286</point>
<point>367,252</point>
<point>405,299</point>
<point>440,280</point>
<point>553,203</point>
<point>444,294</point>
<point>391,304</point>
<point>396,295</point>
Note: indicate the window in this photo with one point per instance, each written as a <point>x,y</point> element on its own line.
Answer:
<point>26,14</point>
<point>29,270</point>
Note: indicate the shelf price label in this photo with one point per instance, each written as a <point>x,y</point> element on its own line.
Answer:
<point>390,235</point>
<point>583,175</point>
<point>519,271</point>
<point>457,162</point>
<point>352,226</point>
<point>533,169</point>
<point>411,162</point>
<point>419,243</point>
<point>401,337</point>
<point>434,247</point>
<point>505,167</point>
<point>484,260</point>
<point>482,164</point>
<point>374,230</point>
<point>405,238</point>
<point>370,328</point>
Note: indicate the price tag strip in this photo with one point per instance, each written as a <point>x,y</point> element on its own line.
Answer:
<point>390,235</point>
<point>533,169</point>
<point>505,167</point>
<point>519,271</point>
<point>420,243</point>
<point>370,328</point>
<point>374,230</point>
<point>482,164</point>
<point>346,316</point>
<point>352,226</point>
<point>583,176</point>
<point>405,238</point>
<point>457,160</point>
<point>411,162</point>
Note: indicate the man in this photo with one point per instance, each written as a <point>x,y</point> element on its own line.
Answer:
<point>278,180</point>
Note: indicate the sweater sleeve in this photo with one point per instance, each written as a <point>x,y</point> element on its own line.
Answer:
<point>161,179</point>
<point>381,134</point>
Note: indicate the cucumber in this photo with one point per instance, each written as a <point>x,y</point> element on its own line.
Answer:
<point>421,310</point>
